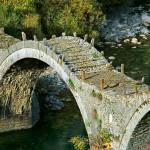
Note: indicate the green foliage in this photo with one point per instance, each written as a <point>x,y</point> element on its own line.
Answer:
<point>71,83</point>
<point>19,5</point>
<point>54,16</point>
<point>104,136</point>
<point>95,56</point>
<point>79,143</point>
<point>20,15</point>
<point>8,17</point>
<point>49,11</point>
<point>96,94</point>
<point>80,16</point>
<point>71,16</point>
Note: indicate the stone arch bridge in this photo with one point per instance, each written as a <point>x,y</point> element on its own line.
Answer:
<point>106,98</point>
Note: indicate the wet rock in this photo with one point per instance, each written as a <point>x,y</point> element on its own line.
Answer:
<point>126,41</point>
<point>52,89</point>
<point>146,19</point>
<point>53,103</point>
<point>125,22</point>
<point>66,99</point>
<point>142,35</point>
<point>145,31</point>
<point>119,45</point>
<point>134,47</point>
<point>111,58</point>
<point>134,40</point>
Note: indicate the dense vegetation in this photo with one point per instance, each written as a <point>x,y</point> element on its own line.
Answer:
<point>17,15</point>
<point>53,16</point>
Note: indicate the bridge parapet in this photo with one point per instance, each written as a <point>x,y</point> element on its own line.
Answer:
<point>96,86</point>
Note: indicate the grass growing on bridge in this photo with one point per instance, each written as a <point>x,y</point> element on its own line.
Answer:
<point>97,94</point>
<point>71,83</point>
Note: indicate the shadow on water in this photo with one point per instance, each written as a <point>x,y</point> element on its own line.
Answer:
<point>52,132</point>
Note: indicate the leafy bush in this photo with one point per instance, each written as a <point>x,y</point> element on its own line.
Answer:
<point>80,16</point>
<point>79,143</point>
<point>54,16</point>
<point>70,16</point>
<point>103,137</point>
<point>19,15</point>
<point>8,17</point>
<point>97,94</point>
<point>22,5</point>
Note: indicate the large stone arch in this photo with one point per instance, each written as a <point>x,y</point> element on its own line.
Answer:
<point>114,108</point>
<point>133,122</point>
<point>44,57</point>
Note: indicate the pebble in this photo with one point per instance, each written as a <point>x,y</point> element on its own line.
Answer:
<point>134,40</point>
<point>111,58</point>
<point>119,45</point>
<point>126,41</point>
<point>134,47</point>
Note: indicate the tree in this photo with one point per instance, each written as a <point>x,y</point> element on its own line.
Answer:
<point>81,16</point>
<point>20,15</point>
<point>70,16</point>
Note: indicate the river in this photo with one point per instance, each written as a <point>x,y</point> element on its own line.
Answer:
<point>55,128</point>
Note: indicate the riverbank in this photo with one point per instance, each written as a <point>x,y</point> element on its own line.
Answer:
<point>126,22</point>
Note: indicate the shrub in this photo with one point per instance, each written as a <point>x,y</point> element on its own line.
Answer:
<point>102,138</point>
<point>79,143</point>
<point>71,83</point>
<point>19,15</point>
<point>97,94</point>
<point>68,16</point>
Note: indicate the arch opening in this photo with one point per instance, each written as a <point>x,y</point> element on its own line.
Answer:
<point>133,123</point>
<point>16,94</point>
<point>35,64</point>
<point>141,135</point>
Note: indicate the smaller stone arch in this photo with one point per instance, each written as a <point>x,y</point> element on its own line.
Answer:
<point>136,118</point>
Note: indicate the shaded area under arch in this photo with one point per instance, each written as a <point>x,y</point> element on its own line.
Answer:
<point>55,128</point>
<point>141,136</point>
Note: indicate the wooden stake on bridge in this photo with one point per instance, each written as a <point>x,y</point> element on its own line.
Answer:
<point>102,83</point>
<point>122,68</point>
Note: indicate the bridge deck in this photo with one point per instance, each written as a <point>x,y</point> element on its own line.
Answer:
<point>81,56</point>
